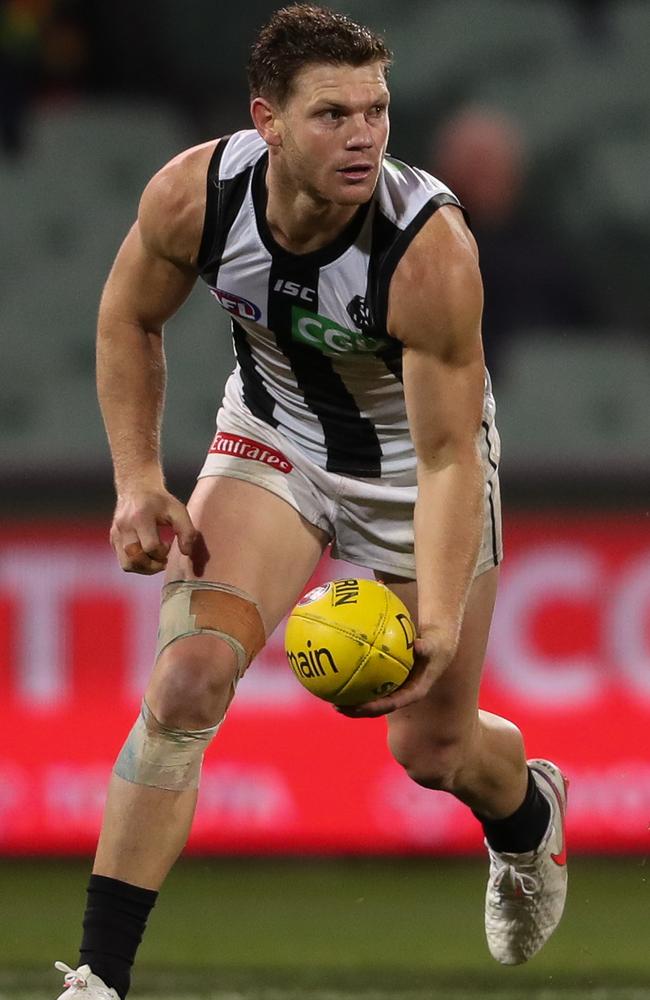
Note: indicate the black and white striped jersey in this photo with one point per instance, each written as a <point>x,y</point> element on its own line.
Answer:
<point>314,359</point>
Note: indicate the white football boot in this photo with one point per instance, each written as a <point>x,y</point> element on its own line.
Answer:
<point>83,984</point>
<point>526,892</point>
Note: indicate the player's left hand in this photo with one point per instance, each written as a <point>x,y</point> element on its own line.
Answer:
<point>433,654</point>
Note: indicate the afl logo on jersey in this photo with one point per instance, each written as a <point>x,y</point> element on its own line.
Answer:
<point>236,305</point>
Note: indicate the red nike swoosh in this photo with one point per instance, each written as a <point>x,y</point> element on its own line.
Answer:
<point>561,857</point>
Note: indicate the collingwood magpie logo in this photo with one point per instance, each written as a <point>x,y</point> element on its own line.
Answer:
<point>358,311</point>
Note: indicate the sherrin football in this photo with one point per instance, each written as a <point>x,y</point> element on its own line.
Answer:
<point>350,641</point>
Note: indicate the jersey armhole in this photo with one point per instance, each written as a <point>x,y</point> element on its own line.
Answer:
<point>213,205</point>
<point>398,248</point>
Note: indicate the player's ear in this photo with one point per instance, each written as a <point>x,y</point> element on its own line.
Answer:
<point>265,121</point>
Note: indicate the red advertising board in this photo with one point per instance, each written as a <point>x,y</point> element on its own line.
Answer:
<point>568,661</point>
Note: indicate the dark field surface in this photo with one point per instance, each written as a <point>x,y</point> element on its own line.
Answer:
<point>334,930</point>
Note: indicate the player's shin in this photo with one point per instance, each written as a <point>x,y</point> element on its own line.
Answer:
<point>208,634</point>
<point>148,816</point>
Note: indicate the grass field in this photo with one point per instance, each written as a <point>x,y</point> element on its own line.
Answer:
<point>333,930</point>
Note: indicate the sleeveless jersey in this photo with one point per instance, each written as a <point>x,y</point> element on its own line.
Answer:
<point>314,358</point>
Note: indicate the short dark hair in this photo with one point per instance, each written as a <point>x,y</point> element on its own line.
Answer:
<point>302,34</point>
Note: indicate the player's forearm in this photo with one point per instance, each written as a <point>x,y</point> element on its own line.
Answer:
<point>448,531</point>
<point>131,387</point>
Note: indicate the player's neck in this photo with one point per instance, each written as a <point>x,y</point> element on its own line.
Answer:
<point>300,222</point>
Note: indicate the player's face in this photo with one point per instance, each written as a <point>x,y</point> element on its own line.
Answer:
<point>334,129</point>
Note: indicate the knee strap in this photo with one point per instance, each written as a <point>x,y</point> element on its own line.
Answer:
<point>161,757</point>
<point>192,607</point>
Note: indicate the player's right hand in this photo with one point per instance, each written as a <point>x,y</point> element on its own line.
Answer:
<point>135,531</point>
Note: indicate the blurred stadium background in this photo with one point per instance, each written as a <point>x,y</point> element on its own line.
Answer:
<point>317,868</point>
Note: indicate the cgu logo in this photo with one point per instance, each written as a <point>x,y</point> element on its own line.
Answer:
<point>236,305</point>
<point>312,662</point>
<point>327,336</point>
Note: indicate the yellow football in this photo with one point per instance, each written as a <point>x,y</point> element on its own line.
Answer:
<point>350,641</point>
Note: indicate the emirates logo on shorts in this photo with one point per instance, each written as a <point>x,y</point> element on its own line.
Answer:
<point>255,451</point>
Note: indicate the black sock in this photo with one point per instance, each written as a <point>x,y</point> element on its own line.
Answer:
<point>114,922</point>
<point>525,829</point>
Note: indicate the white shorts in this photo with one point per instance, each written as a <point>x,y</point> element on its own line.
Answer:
<point>370,521</point>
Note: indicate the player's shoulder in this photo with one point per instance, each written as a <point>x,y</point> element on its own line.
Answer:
<point>238,152</point>
<point>405,193</point>
<point>440,265</point>
<point>445,240</point>
<point>170,215</point>
<point>172,208</point>
<point>432,254</point>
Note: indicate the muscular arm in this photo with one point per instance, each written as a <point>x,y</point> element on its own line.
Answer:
<point>143,290</point>
<point>435,309</point>
<point>152,276</point>
<point>436,303</point>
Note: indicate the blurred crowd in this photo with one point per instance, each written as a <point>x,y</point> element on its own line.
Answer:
<point>530,280</point>
<point>535,112</point>
<point>45,51</point>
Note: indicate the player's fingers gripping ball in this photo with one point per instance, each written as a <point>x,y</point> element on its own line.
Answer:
<point>350,641</point>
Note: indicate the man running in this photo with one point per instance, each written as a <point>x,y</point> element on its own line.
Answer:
<point>360,414</point>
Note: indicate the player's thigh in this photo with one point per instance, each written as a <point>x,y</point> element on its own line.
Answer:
<point>450,710</point>
<point>251,539</point>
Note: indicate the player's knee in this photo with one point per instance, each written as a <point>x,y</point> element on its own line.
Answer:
<point>193,683</point>
<point>185,703</point>
<point>208,634</point>
<point>431,762</point>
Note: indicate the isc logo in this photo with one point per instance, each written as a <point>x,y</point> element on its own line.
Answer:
<point>295,290</point>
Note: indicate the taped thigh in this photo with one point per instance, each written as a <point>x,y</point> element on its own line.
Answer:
<point>193,607</point>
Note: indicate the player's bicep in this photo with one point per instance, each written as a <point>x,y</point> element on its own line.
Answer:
<point>437,301</point>
<point>144,288</point>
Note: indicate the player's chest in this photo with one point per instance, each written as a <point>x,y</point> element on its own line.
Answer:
<point>296,301</point>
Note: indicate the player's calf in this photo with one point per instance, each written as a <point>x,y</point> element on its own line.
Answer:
<point>430,760</point>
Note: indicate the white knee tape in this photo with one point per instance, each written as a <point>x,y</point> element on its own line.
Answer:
<point>161,757</point>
